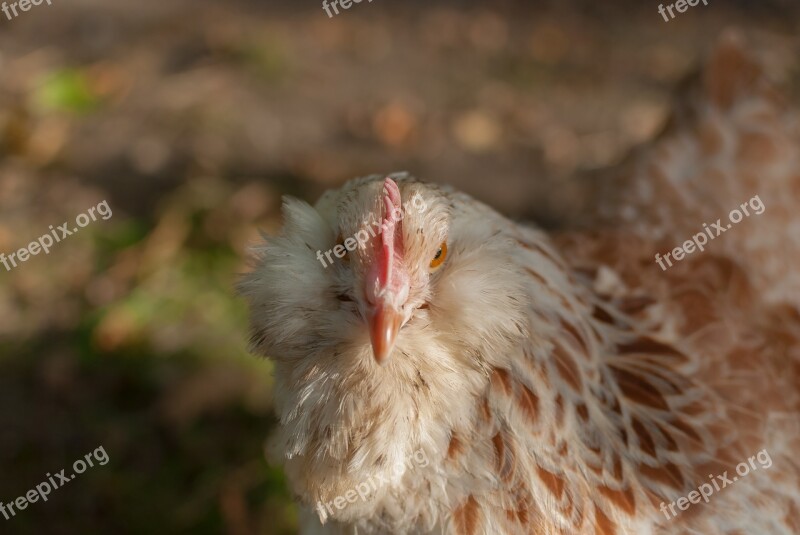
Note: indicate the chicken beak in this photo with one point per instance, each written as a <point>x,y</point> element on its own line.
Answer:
<point>384,325</point>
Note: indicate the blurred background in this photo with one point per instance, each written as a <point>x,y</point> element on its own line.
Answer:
<point>192,119</point>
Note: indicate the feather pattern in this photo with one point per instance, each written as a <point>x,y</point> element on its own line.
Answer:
<point>552,383</point>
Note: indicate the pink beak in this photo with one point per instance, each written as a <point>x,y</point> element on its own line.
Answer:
<point>384,324</point>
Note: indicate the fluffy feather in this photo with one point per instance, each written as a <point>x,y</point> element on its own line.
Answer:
<point>556,384</point>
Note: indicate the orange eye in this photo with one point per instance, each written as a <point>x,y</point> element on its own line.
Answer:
<point>441,254</point>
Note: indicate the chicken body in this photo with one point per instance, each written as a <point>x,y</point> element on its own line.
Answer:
<point>543,383</point>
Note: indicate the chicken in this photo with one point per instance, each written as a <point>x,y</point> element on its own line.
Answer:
<point>456,372</point>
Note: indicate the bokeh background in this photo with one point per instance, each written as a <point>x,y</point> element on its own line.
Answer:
<point>192,118</point>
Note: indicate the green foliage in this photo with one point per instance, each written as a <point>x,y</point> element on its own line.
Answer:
<point>66,90</point>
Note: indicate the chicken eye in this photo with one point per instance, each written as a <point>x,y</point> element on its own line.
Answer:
<point>440,256</point>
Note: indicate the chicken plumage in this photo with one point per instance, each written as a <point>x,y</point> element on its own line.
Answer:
<point>553,383</point>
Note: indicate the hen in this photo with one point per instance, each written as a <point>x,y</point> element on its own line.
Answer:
<point>446,370</point>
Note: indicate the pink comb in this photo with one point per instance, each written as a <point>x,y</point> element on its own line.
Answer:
<point>391,203</point>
